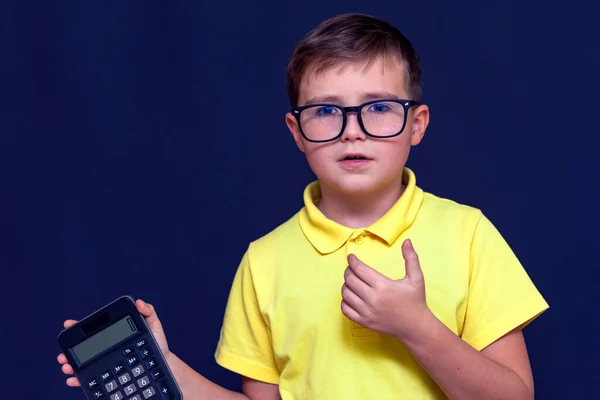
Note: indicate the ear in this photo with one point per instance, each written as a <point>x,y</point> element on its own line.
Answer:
<point>292,125</point>
<point>420,121</point>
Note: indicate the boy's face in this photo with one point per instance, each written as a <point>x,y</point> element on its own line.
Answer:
<point>385,158</point>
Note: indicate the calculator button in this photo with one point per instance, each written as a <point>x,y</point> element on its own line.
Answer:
<point>137,371</point>
<point>141,343</point>
<point>97,394</point>
<point>143,382</point>
<point>127,351</point>
<point>123,379</point>
<point>110,386</point>
<point>132,360</point>
<point>105,376</point>
<point>157,374</point>
<point>136,397</point>
<point>129,390</point>
<point>93,383</point>
<point>151,363</point>
<point>149,392</point>
<point>117,396</point>
<point>118,368</point>
<point>147,352</point>
<point>165,390</point>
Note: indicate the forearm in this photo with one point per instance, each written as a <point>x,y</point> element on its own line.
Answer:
<point>461,371</point>
<point>196,387</point>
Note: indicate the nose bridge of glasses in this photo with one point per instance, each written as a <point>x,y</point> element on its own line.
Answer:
<point>353,126</point>
<point>352,113</point>
<point>352,109</point>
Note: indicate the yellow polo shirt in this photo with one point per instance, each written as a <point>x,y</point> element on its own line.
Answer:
<point>283,323</point>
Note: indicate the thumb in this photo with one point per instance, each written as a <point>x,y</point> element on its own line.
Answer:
<point>413,266</point>
<point>149,314</point>
<point>147,310</point>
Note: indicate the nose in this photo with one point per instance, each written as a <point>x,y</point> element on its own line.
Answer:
<point>352,131</point>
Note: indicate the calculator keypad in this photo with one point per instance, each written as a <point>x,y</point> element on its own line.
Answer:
<point>164,389</point>
<point>137,371</point>
<point>131,361</point>
<point>123,379</point>
<point>147,352</point>
<point>132,379</point>
<point>157,374</point>
<point>105,376</point>
<point>116,396</point>
<point>149,392</point>
<point>129,390</point>
<point>117,369</point>
<point>151,363</point>
<point>110,386</point>
<point>143,382</point>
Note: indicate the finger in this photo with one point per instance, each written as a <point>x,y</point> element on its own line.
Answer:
<point>68,323</point>
<point>73,381</point>
<point>143,308</point>
<point>62,359</point>
<point>67,369</point>
<point>352,298</point>
<point>366,274</point>
<point>413,266</point>
<point>356,285</point>
<point>147,310</point>
<point>350,312</point>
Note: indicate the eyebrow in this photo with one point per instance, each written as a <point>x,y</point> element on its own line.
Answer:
<point>363,97</point>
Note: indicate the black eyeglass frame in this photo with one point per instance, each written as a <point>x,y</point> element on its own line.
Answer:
<point>406,104</point>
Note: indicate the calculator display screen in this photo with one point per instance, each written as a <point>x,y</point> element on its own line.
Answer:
<point>104,339</point>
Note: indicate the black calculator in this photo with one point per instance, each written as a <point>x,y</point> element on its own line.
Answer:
<point>115,356</point>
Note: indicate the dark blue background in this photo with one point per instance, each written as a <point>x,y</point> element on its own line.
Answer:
<point>143,145</point>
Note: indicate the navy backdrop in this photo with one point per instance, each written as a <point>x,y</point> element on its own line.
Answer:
<point>143,146</point>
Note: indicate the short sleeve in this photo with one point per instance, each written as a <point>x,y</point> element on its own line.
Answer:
<point>245,343</point>
<point>501,295</point>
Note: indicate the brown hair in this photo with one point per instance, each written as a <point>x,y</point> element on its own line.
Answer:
<point>350,38</point>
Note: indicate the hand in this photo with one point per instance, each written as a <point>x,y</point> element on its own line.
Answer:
<point>147,310</point>
<point>392,307</point>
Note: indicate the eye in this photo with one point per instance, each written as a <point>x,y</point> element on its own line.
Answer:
<point>379,107</point>
<point>325,111</point>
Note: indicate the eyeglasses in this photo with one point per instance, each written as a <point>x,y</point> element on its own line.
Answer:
<point>324,122</point>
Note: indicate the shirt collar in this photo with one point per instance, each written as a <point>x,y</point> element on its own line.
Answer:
<point>327,236</point>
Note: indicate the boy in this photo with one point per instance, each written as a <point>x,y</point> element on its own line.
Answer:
<point>375,289</point>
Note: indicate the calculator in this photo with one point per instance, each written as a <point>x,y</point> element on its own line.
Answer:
<point>115,356</point>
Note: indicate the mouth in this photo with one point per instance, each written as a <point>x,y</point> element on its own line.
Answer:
<point>355,157</point>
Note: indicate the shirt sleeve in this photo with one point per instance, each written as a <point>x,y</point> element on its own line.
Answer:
<point>501,296</point>
<point>245,342</point>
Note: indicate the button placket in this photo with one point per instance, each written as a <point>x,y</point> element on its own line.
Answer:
<point>354,245</point>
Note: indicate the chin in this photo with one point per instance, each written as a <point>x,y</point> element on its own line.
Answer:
<point>359,185</point>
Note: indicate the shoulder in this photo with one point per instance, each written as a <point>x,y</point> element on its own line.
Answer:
<point>266,256</point>
<point>281,240</point>
<point>446,211</point>
<point>449,218</point>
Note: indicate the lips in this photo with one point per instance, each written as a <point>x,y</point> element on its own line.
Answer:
<point>354,157</point>
<point>354,161</point>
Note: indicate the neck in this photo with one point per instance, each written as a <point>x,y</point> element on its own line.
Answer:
<point>358,211</point>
